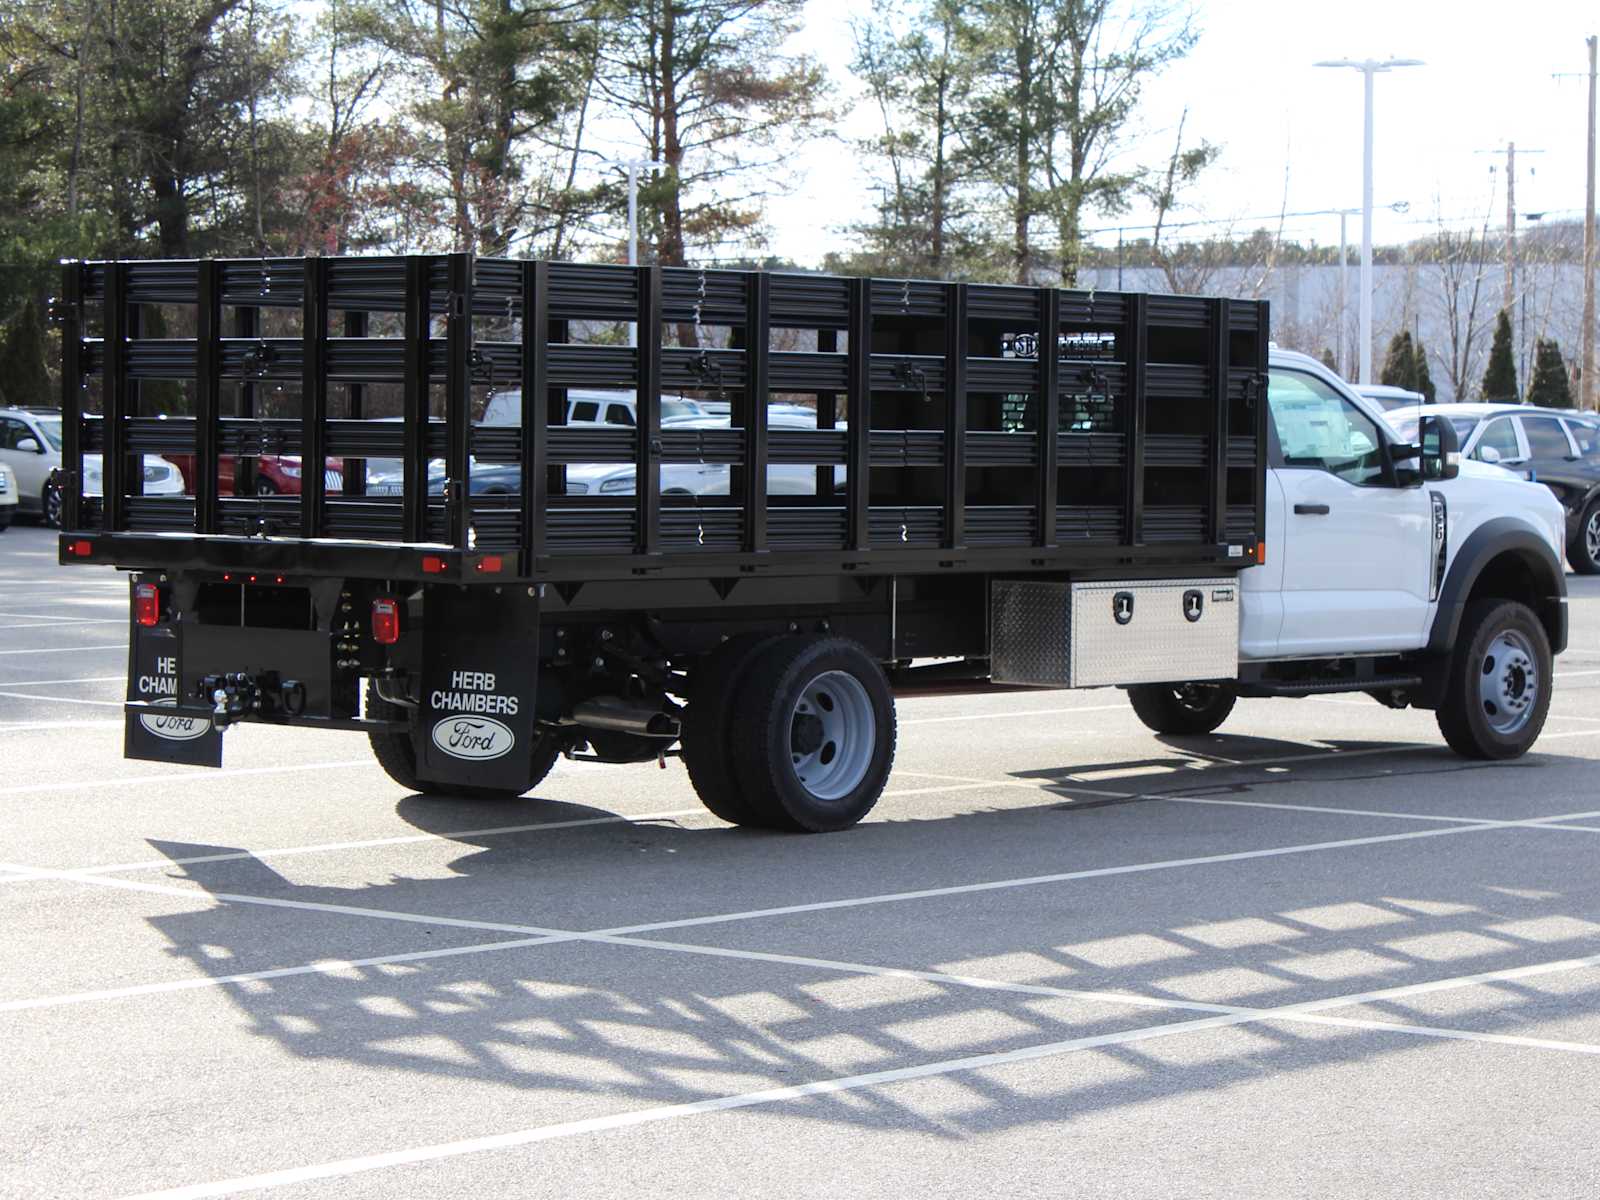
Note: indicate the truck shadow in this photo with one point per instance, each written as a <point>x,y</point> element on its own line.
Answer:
<point>643,1026</point>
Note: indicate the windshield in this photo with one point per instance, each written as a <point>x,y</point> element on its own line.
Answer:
<point>1406,427</point>
<point>51,428</point>
<point>671,409</point>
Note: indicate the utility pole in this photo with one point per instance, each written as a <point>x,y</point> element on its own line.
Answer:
<point>1586,384</point>
<point>1509,293</point>
<point>1511,225</point>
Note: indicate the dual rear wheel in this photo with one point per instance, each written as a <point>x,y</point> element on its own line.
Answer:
<point>794,733</point>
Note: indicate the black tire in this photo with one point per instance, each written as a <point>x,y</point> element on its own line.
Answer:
<point>5,522</point>
<point>1498,690</point>
<point>50,506</point>
<point>819,706</point>
<point>265,486</point>
<point>708,727</point>
<point>1583,551</point>
<point>1186,709</point>
<point>397,755</point>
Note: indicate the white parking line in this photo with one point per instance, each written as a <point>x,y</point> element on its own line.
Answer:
<point>870,1079</point>
<point>783,910</point>
<point>62,699</point>
<point>1029,712</point>
<point>190,776</point>
<point>402,840</point>
<point>34,726</point>
<point>17,683</point>
<point>123,646</point>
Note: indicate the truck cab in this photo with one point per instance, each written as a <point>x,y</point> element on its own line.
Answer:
<point>1371,569</point>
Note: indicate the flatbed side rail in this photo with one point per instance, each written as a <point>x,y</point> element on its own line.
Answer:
<point>548,420</point>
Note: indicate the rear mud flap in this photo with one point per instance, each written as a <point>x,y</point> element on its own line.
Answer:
<point>476,709</point>
<point>180,736</point>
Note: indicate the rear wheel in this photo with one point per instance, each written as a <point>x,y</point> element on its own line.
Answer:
<point>813,734</point>
<point>1182,708</point>
<point>1583,552</point>
<point>708,728</point>
<point>265,486</point>
<point>1498,692</point>
<point>50,505</point>
<point>397,755</point>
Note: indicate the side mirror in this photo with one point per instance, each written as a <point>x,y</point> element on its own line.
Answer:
<point>1404,461</point>
<point>1489,455</point>
<point>29,445</point>
<point>1441,448</point>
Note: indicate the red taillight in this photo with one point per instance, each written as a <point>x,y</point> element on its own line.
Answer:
<point>491,564</point>
<point>82,548</point>
<point>146,604</point>
<point>432,564</point>
<point>385,621</point>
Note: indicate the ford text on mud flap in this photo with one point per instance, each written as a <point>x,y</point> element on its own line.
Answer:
<point>159,724</point>
<point>475,702</point>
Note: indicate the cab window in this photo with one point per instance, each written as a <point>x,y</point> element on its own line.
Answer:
<point>584,410</point>
<point>1319,429</point>
<point>1546,439</point>
<point>619,414</point>
<point>1587,437</point>
<point>1500,436</point>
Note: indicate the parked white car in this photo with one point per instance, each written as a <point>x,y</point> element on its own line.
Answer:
<point>708,479</point>
<point>592,408</point>
<point>30,445</point>
<point>8,497</point>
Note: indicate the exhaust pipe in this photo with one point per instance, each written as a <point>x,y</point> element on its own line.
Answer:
<point>626,716</point>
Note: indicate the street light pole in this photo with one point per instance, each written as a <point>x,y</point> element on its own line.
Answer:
<point>1368,67</point>
<point>1344,304</point>
<point>634,166</point>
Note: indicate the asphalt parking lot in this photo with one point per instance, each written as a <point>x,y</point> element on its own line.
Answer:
<point>1314,954</point>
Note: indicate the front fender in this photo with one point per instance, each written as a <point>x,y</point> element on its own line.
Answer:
<point>1530,553</point>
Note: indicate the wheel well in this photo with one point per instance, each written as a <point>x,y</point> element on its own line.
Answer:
<point>1512,575</point>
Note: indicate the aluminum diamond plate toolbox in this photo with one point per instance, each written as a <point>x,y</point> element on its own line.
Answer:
<point>1050,634</point>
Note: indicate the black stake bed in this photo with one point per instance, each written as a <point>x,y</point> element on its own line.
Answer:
<point>869,425</point>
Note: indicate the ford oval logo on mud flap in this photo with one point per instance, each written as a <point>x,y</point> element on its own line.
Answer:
<point>473,737</point>
<point>177,727</point>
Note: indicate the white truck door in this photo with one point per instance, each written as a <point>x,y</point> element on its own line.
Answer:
<point>1356,548</point>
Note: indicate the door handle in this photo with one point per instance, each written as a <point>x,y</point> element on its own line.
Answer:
<point>1312,510</point>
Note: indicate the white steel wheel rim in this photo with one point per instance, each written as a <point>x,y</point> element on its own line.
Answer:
<point>1508,682</point>
<point>1591,536</point>
<point>1196,697</point>
<point>832,734</point>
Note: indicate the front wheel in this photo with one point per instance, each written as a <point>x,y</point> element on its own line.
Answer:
<point>1583,552</point>
<point>1498,692</point>
<point>813,734</point>
<point>50,505</point>
<point>1182,708</point>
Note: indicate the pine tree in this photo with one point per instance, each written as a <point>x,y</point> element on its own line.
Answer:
<point>1500,378</point>
<point>1423,381</point>
<point>1549,386</point>
<point>1399,363</point>
<point>22,359</point>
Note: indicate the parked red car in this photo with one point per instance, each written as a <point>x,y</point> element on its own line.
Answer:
<point>276,474</point>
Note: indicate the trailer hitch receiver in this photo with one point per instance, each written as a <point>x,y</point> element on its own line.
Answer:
<point>236,695</point>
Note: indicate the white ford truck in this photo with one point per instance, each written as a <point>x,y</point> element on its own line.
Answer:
<point>997,484</point>
<point>1448,594</point>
